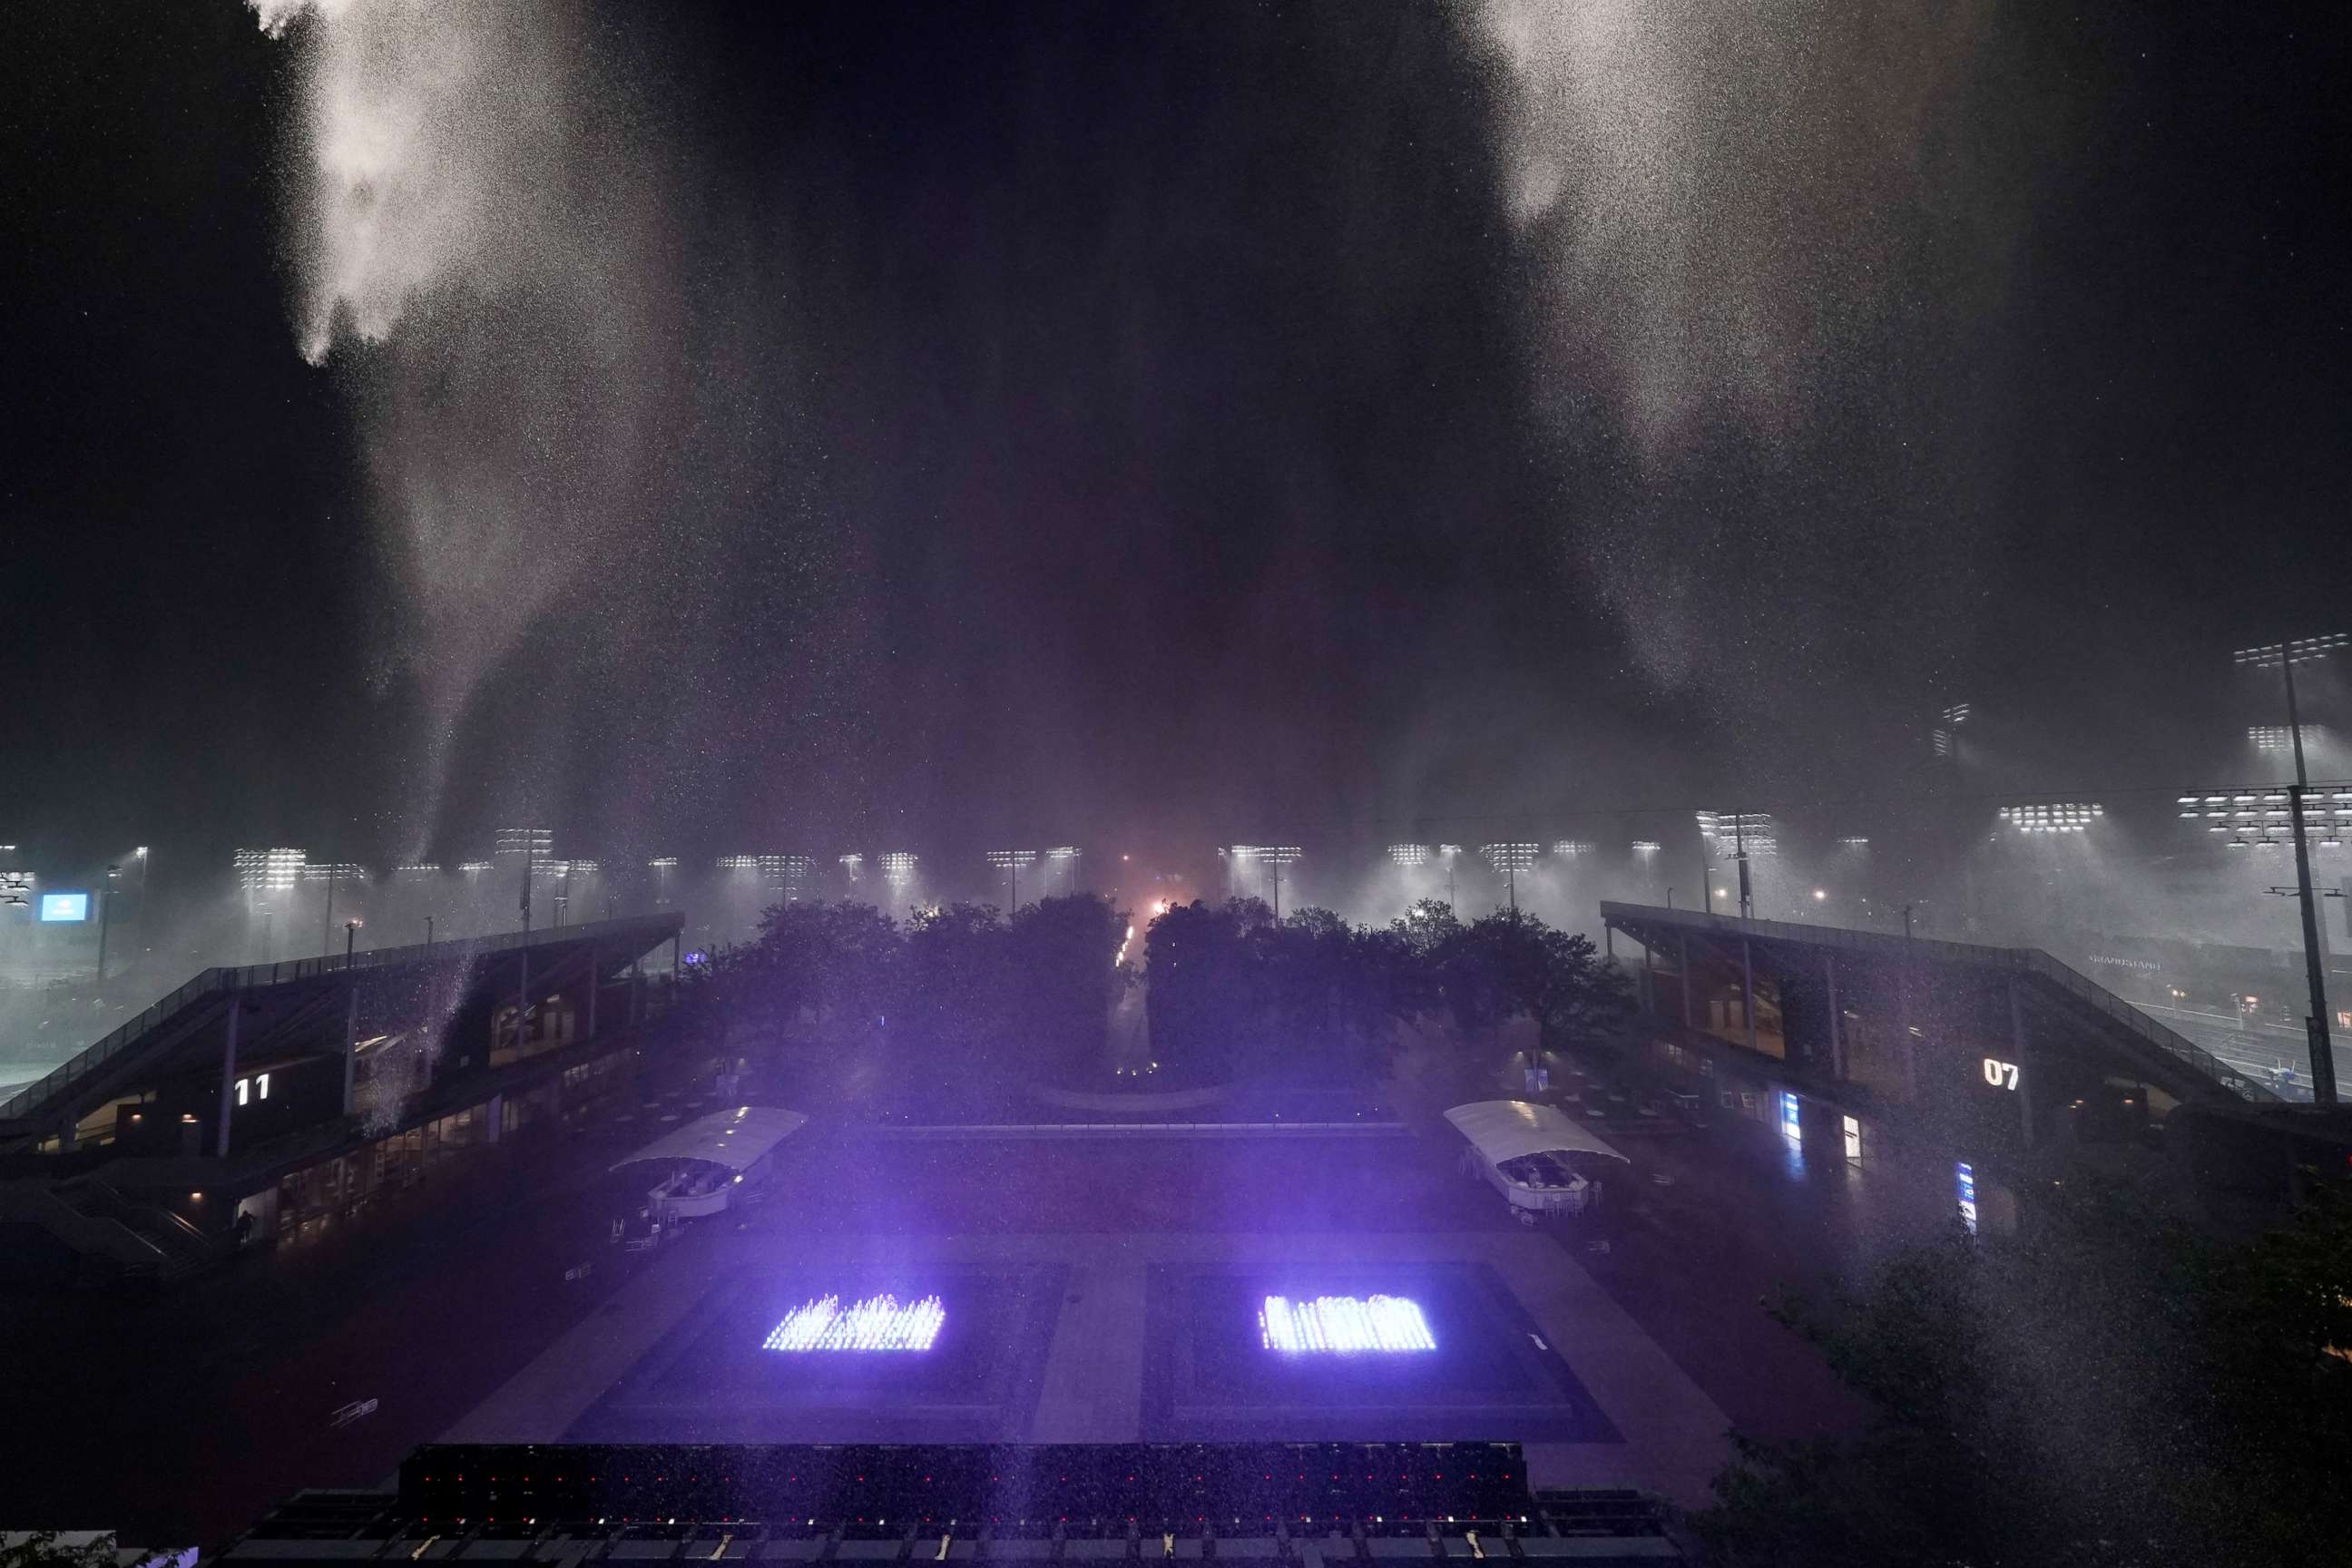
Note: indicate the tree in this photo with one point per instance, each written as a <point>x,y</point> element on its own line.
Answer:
<point>1061,953</point>
<point>2103,1387</point>
<point>1510,964</point>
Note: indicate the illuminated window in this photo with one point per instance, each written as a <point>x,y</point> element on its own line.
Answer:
<point>1852,1139</point>
<point>1964,1181</point>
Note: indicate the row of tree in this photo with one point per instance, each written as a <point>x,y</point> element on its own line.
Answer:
<point>964,991</point>
<point>960,991</point>
<point>1233,990</point>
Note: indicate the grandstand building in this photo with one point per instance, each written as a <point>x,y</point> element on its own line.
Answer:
<point>271,1101</point>
<point>1987,1069</point>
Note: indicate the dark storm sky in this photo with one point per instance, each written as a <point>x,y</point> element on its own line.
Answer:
<point>1143,419</point>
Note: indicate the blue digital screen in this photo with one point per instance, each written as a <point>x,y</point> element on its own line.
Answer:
<point>1964,1176</point>
<point>65,906</point>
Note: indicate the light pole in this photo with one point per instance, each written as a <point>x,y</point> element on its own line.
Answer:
<point>351,940</point>
<point>1510,859</point>
<point>1407,857</point>
<point>1449,853</point>
<point>1010,862</point>
<point>105,905</point>
<point>2286,655</point>
<point>1276,855</point>
<point>1066,856</point>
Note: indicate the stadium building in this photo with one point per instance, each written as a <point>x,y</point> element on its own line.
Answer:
<point>273,1101</point>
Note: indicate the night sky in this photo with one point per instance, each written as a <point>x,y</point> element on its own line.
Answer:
<point>805,427</point>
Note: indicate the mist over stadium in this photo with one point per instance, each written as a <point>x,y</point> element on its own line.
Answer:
<point>1099,628</point>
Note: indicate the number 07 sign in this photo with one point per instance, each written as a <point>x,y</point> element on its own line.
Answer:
<point>1999,1074</point>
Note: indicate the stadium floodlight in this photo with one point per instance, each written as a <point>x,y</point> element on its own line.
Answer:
<point>1646,847</point>
<point>1344,1325</point>
<point>2255,817</point>
<point>263,872</point>
<point>663,863</point>
<point>854,866</point>
<point>1754,833</point>
<point>2278,737</point>
<point>899,868</point>
<point>531,845</point>
<point>2053,816</point>
<point>2284,656</point>
<point>1065,857</point>
<point>1571,848</point>
<point>1274,858</point>
<point>876,1323</point>
<point>1010,862</point>
<point>333,873</point>
<point>738,862</point>
<point>1510,859</point>
<point>1409,854</point>
<point>416,868</point>
<point>1943,737</point>
<point>2294,650</point>
<point>1449,853</point>
<point>475,868</point>
<point>1855,842</point>
<point>1749,835</point>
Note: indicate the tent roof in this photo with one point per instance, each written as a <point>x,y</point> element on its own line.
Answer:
<point>1506,1129</point>
<point>735,1139</point>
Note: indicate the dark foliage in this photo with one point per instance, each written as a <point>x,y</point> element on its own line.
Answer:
<point>957,995</point>
<point>1234,991</point>
<point>2101,1387</point>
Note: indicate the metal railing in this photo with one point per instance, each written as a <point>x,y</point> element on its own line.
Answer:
<point>19,1105</point>
<point>97,1055</point>
<point>1892,949</point>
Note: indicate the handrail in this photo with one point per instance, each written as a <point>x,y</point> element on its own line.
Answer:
<point>455,950</point>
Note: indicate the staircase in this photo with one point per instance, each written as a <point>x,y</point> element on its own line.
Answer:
<point>128,1239</point>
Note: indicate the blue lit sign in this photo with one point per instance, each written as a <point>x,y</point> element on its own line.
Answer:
<point>65,907</point>
<point>1792,1125</point>
<point>1964,1179</point>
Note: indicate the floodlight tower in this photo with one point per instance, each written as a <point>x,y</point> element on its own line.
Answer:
<point>2285,656</point>
<point>1449,853</point>
<point>1408,856</point>
<point>1010,862</point>
<point>1510,859</point>
<point>532,843</point>
<point>1276,856</point>
<point>899,868</point>
<point>1751,833</point>
<point>1066,856</point>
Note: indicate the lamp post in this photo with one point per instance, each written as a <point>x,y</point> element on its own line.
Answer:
<point>1449,853</point>
<point>105,907</point>
<point>351,940</point>
<point>1714,826</point>
<point>1510,859</point>
<point>1010,862</point>
<point>2286,655</point>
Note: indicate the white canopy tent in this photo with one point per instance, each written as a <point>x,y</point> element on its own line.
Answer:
<point>737,1138</point>
<point>1506,1129</point>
